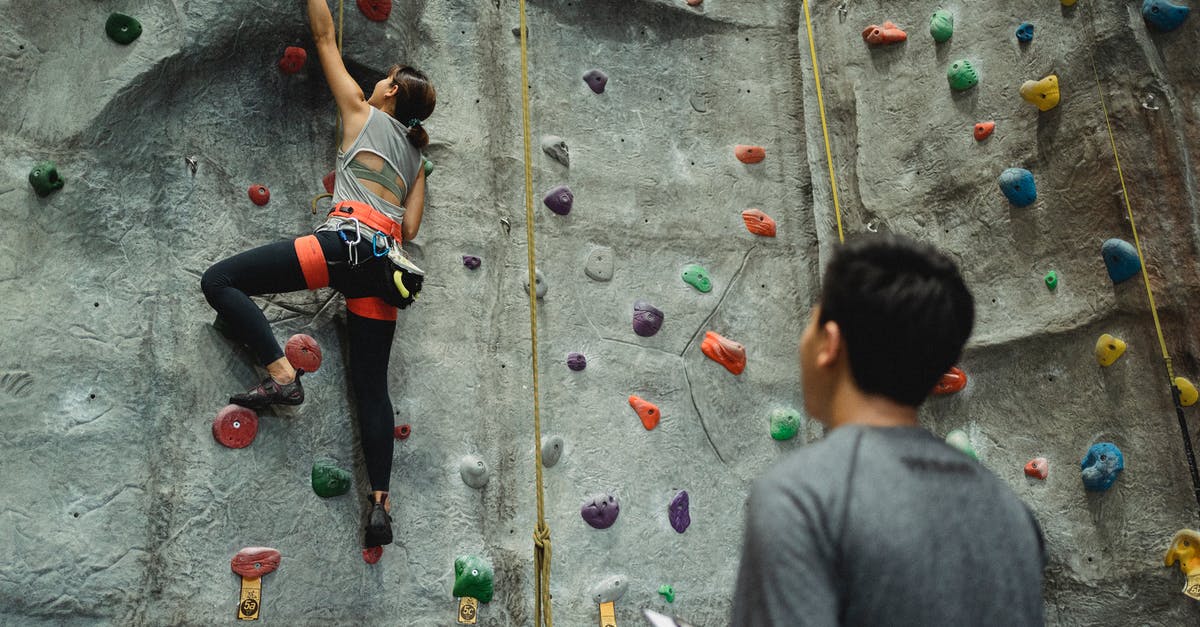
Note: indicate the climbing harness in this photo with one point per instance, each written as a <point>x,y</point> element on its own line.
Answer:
<point>541,533</point>
<point>1162,342</point>
<point>812,50</point>
<point>400,280</point>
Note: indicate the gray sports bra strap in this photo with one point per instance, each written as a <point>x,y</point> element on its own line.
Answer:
<point>388,182</point>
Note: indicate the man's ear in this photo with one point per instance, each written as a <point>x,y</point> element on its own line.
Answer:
<point>829,349</point>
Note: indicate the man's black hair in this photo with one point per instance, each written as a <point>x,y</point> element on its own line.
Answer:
<point>904,311</point>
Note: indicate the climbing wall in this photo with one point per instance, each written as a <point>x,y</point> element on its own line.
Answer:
<point>122,508</point>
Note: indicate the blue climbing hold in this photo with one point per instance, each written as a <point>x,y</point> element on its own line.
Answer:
<point>1121,258</point>
<point>1101,466</point>
<point>1017,185</point>
<point>1025,32</point>
<point>1163,15</point>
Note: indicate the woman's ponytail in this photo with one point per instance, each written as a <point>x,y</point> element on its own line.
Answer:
<point>415,101</point>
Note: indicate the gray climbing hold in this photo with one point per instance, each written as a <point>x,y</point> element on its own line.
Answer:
<point>552,449</point>
<point>611,589</point>
<point>599,265</point>
<point>556,147</point>
<point>559,200</point>
<point>541,283</point>
<point>474,471</point>
<point>596,79</point>
<point>699,105</point>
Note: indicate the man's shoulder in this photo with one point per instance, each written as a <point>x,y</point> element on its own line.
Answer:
<point>812,469</point>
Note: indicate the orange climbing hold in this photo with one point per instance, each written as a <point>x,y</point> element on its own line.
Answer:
<point>983,130</point>
<point>1038,468</point>
<point>953,381</point>
<point>758,222</point>
<point>724,351</point>
<point>646,410</point>
<point>749,154</point>
<point>889,33</point>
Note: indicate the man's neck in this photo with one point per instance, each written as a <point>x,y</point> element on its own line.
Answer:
<point>851,407</point>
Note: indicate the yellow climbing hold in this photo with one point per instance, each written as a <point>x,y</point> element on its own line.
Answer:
<point>1043,93</point>
<point>1109,349</point>
<point>1187,392</point>
<point>1068,3</point>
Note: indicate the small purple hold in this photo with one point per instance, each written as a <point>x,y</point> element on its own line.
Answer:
<point>677,511</point>
<point>596,80</point>
<point>559,200</point>
<point>471,261</point>
<point>576,361</point>
<point>647,319</point>
<point>600,511</point>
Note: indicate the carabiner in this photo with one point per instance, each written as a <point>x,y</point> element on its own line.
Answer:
<point>375,250</point>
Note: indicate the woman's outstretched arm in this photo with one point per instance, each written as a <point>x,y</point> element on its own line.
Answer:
<point>346,92</point>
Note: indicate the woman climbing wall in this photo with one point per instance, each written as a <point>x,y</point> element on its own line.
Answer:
<point>378,195</point>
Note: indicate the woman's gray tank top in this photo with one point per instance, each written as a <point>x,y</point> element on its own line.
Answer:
<point>382,135</point>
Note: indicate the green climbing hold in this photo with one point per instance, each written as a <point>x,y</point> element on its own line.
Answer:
<point>668,592</point>
<point>473,578</point>
<point>1051,280</point>
<point>961,441</point>
<point>122,29</point>
<point>45,179</point>
<point>428,166</point>
<point>941,25</point>
<point>696,276</point>
<point>962,75</point>
<point>785,423</point>
<point>329,480</point>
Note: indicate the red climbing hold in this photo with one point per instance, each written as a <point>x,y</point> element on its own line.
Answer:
<point>646,410</point>
<point>303,353</point>
<point>372,554</point>
<point>889,33</point>
<point>759,223</point>
<point>259,194</point>
<point>724,351</point>
<point>293,59</point>
<point>376,11</point>
<point>749,154</point>
<point>694,3</point>
<point>402,432</point>
<point>328,179</point>
<point>951,382</point>
<point>255,561</point>
<point>983,130</point>
<point>235,426</point>
<point>1038,468</point>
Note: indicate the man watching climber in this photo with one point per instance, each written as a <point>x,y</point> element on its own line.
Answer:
<point>882,522</point>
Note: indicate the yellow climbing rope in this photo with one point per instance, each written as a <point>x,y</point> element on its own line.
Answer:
<point>541,533</point>
<point>1162,342</point>
<point>812,50</point>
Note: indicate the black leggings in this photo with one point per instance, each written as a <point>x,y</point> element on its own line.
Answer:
<point>275,268</point>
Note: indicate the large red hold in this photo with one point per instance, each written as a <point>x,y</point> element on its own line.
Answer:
<point>376,10</point>
<point>303,353</point>
<point>235,426</point>
<point>293,59</point>
<point>255,561</point>
<point>371,555</point>
<point>259,194</point>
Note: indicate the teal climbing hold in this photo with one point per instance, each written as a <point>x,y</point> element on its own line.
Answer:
<point>428,166</point>
<point>45,179</point>
<point>122,28</point>
<point>696,276</point>
<point>785,423</point>
<point>473,577</point>
<point>1121,259</point>
<point>1018,186</point>
<point>1163,15</point>
<point>328,479</point>
<point>1051,280</point>
<point>962,75</point>
<point>941,25</point>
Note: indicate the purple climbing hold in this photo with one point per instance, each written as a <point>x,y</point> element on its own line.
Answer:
<point>596,80</point>
<point>647,319</point>
<point>559,200</point>
<point>576,361</point>
<point>471,261</point>
<point>677,511</point>
<point>600,510</point>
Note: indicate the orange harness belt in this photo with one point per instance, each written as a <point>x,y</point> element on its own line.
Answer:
<point>316,272</point>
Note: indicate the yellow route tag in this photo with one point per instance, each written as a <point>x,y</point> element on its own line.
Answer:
<point>251,598</point>
<point>1192,588</point>
<point>608,614</point>
<point>468,610</point>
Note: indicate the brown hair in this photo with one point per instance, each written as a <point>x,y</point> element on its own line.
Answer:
<point>415,100</point>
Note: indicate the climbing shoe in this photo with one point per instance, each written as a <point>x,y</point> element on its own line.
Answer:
<point>271,393</point>
<point>379,525</point>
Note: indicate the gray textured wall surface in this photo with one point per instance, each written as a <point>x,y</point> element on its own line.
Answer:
<point>120,508</point>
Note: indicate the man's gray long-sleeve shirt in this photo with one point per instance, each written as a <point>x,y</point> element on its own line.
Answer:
<point>887,526</point>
